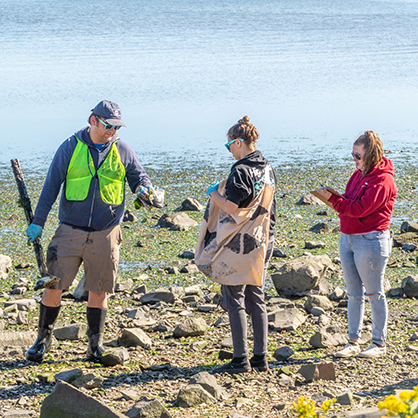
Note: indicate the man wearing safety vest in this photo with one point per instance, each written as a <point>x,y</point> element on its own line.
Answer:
<point>93,164</point>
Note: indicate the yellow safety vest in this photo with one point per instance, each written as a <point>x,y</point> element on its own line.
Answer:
<point>81,170</point>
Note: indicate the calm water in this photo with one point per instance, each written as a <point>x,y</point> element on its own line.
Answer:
<point>312,74</point>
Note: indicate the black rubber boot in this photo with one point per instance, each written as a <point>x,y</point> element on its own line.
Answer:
<point>259,363</point>
<point>96,321</point>
<point>47,317</point>
<point>235,366</point>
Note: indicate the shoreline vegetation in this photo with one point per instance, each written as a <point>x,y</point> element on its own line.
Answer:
<point>150,257</point>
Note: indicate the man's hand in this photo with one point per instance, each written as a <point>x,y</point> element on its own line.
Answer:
<point>34,231</point>
<point>213,187</point>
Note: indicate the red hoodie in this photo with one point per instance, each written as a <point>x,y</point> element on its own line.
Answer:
<point>368,200</point>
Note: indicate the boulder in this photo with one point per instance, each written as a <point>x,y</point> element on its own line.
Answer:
<point>68,376</point>
<point>163,296</point>
<point>310,199</point>
<point>88,381</point>
<point>410,286</point>
<point>177,222</point>
<point>301,274</point>
<point>71,332</point>
<point>405,238</point>
<point>189,268</point>
<point>115,356</point>
<point>286,319</point>
<point>5,263</point>
<point>409,227</point>
<point>18,338</point>
<point>79,293</point>
<point>187,254</point>
<point>193,395</point>
<point>210,384</point>
<point>345,398</point>
<point>319,371</point>
<point>22,304</point>
<point>320,228</point>
<point>129,216</point>
<point>190,204</point>
<point>190,327</point>
<point>328,337</point>
<point>148,409</point>
<point>337,294</point>
<point>66,401</point>
<point>316,301</point>
<point>312,245</point>
<point>124,286</point>
<point>134,337</point>
<point>18,413</point>
<point>283,353</point>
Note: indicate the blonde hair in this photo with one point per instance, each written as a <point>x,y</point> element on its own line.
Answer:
<point>244,130</point>
<point>373,150</point>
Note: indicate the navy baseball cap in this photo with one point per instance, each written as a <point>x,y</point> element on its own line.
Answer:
<point>109,111</point>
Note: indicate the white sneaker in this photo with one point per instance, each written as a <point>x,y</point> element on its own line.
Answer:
<point>373,351</point>
<point>350,350</point>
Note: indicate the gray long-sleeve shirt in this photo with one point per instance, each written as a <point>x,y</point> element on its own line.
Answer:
<point>92,212</point>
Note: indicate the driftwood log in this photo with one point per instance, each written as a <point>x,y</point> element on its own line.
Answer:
<point>24,201</point>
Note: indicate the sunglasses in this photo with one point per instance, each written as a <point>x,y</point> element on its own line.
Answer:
<point>228,144</point>
<point>356,156</point>
<point>108,126</point>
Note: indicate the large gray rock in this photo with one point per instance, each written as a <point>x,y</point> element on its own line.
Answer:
<point>210,384</point>
<point>11,338</point>
<point>317,301</point>
<point>286,319</point>
<point>328,337</point>
<point>124,286</point>
<point>193,395</point>
<point>155,297</point>
<point>22,304</point>
<point>71,332</point>
<point>79,293</point>
<point>190,204</point>
<point>135,337</point>
<point>319,371</point>
<point>148,409</point>
<point>66,401</point>
<point>190,327</point>
<point>88,381</point>
<point>68,375</point>
<point>405,238</point>
<point>298,276</point>
<point>5,263</point>
<point>18,413</point>
<point>283,353</point>
<point>115,356</point>
<point>409,227</point>
<point>310,199</point>
<point>176,222</point>
<point>410,286</point>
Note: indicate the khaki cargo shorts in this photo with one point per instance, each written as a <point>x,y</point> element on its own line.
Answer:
<point>97,250</point>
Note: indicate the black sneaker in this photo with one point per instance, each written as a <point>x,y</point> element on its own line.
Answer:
<point>259,364</point>
<point>234,367</point>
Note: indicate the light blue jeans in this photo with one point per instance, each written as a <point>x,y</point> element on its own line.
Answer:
<point>363,259</point>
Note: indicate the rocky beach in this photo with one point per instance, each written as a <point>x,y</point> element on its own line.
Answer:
<point>165,331</point>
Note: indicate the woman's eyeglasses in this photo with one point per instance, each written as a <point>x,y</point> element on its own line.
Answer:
<point>356,156</point>
<point>108,126</point>
<point>228,144</point>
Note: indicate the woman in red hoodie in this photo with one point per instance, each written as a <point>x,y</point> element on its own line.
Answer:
<point>365,242</point>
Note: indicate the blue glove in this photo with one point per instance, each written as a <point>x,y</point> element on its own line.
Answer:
<point>33,232</point>
<point>213,187</point>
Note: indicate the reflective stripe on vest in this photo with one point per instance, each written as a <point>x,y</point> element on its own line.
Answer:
<point>111,175</point>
